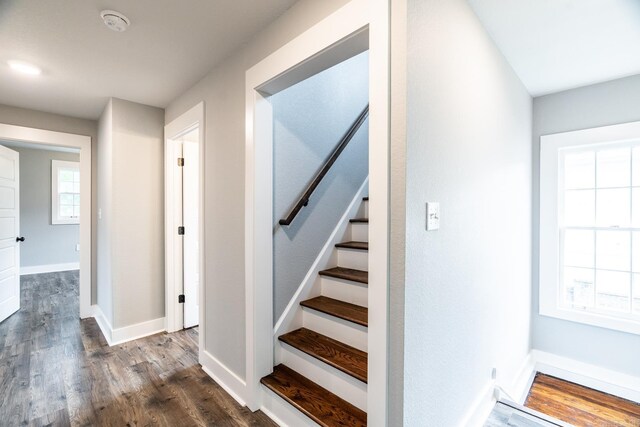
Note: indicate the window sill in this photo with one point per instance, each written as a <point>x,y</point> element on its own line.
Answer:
<point>65,222</point>
<point>593,319</point>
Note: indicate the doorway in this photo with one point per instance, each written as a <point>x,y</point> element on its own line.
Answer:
<point>36,140</point>
<point>183,222</point>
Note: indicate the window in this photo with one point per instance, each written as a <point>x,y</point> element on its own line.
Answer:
<point>65,192</point>
<point>590,226</point>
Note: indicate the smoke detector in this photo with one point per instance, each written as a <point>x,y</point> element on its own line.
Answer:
<point>115,20</point>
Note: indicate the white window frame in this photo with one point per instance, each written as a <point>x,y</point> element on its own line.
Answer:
<point>56,165</point>
<point>549,289</point>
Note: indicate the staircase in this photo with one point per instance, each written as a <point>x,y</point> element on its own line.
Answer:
<point>322,366</point>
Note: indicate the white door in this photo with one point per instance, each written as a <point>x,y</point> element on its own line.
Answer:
<point>9,229</point>
<point>191,214</point>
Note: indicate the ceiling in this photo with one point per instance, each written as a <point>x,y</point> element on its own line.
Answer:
<point>554,45</point>
<point>169,46</point>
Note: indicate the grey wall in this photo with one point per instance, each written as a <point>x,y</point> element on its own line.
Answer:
<point>603,104</point>
<point>45,243</point>
<point>131,229</point>
<point>309,120</point>
<point>468,285</point>
<point>223,91</point>
<point>41,120</point>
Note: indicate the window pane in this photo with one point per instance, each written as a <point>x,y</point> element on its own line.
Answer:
<point>579,207</point>
<point>76,211</point>
<point>635,207</point>
<point>65,187</point>
<point>612,290</point>
<point>76,187</point>
<point>66,211</point>
<point>636,166</point>
<point>613,250</point>
<point>635,250</point>
<point>66,199</point>
<point>579,287</point>
<point>65,175</point>
<point>76,176</point>
<point>578,248</point>
<point>76,199</point>
<point>636,294</point>
<point>613,209</point>
<point>614,168</point>
<point>580,170</point>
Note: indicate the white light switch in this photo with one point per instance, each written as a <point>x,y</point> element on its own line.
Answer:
<point>433,216</point>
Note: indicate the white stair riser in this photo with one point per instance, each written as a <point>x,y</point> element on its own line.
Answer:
<point>353,258</point>
<point>359,231</point>
<point>342,330</point>
<point>287,416</point>
<point>345,290</point>
<point>337,382</point>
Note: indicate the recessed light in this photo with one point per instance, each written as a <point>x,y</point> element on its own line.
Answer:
<point>115,20</point>
<point>24,68</point>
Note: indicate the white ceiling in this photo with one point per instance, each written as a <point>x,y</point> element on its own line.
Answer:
<point>170,45</point>
<point>554,45</point>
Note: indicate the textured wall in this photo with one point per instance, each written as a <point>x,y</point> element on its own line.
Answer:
<point>468,285</point>
<point>309,120</point>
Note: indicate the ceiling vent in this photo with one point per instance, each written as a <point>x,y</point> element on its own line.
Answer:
<point>115,20</point>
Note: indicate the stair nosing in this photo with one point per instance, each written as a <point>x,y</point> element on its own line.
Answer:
<point>359,220</point>
<point>346,245</point>
<point>334,314</point>
<point>331,362</point>
<point>331,272</point>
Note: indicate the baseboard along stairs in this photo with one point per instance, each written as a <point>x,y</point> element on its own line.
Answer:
<point>322,366</point>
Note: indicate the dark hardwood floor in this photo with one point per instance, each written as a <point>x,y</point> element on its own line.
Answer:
<point>581,406</point>
<point>57,370</point>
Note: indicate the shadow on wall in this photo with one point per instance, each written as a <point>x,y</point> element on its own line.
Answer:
<point>310,118</point>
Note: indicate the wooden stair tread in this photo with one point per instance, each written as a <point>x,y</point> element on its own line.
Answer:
<point>317,403</point>
<point>343,310</point>
<point>341,356</point>
<point>363,246</point>
<point>359,220</point>
<point>347,274</point>
<point>366,199</point>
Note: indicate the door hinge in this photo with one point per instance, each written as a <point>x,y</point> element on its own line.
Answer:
<point>181,299</point>
<point>181,231</point>
<point>180,161</point>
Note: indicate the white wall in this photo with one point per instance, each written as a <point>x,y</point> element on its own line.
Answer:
<point>131,230</point>
<point>223,91</point>
<point>468,285</point>
<point>45,244</point>
<point>54,122</point>
<point>603,104</point>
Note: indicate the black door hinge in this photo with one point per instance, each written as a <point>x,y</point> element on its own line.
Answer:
<point>181,299</point>
<point>181,231</point>
<point>180,161</point>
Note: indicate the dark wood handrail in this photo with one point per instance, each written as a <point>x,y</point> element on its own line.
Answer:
<point>304,199</point>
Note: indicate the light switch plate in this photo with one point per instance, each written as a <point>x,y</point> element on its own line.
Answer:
<point>433,216</point>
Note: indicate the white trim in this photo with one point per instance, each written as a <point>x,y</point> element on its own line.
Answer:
<point>68,140</point>
<point>223,376</point>
<point>282,413</point>
<point>50,268</point>
<point>127,333</point>
<point>481,407</point>
<point>321,262</point>
<point>596,377</point>
<point>191,119</point>
<point>56,165</point>
<point>307,54</point>
<point>550,148</point>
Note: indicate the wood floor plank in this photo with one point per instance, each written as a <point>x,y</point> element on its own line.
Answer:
<point>58,370</point>
<point>580,406</point>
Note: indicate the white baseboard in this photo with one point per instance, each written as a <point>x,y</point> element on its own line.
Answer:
<point>225,378</point>
<point>598,378</point>
<point>50,268</point>
<point>127,333</point>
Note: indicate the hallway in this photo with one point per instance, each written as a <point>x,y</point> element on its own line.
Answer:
<point>57,370</point>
